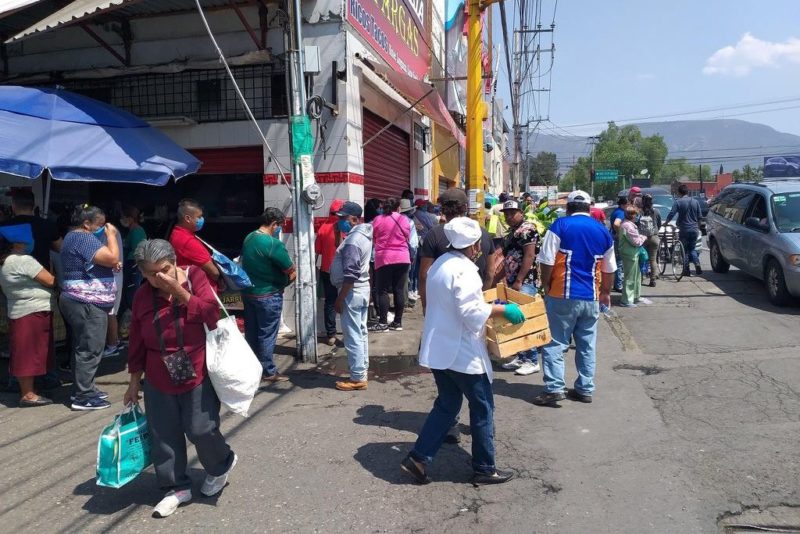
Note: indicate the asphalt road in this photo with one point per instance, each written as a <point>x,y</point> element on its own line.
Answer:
<point>695,419</point>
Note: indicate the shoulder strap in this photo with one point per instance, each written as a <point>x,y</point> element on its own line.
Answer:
<point>407,237</point>
<point>160,331</point>
<point>221,305</point>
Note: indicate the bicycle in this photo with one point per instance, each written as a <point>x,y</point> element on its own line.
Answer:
<point>670,251</point>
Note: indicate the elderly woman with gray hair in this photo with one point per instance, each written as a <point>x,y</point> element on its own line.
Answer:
<point>168,346</point>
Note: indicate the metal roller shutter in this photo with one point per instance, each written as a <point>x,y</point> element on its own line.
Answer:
<point>387,159</point>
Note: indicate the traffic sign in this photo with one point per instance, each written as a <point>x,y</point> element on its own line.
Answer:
<point>606,175</point>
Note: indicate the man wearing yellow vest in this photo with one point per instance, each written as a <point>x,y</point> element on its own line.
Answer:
<point>498,228</point>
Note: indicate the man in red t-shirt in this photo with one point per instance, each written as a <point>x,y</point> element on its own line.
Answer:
<point>188,249</point>
<point>328,239</point>
<point>597,214</point>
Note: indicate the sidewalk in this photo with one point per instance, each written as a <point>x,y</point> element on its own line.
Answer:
<point>314,459</point>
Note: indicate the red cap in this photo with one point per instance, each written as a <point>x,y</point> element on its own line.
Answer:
<point>336,205</point>
<point>635,189</point>
<point>419,202</point>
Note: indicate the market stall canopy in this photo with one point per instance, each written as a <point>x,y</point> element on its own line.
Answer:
<point>78,138</point>
<point>427,99</point>
<point>72,12</point>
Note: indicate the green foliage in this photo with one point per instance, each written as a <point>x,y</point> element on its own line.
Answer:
<point>542,216</point>
<point>748,173</point>
<point>623,149</point>
<point>543,169</point>
<point>675,169</point>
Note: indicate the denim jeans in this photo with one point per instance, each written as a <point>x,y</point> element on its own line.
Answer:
<point>568,318</point>
<point>330,298</point>
<point>688,239</point>
<point>531,355</point>
<point>354,330</point>
<point>89,325</point>
<point>618,272</point>
<point>413,275</point>
<point>452,386</point>
<point>262,319</point>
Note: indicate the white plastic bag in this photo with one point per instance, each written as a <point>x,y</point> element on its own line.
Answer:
<point>233,368</point>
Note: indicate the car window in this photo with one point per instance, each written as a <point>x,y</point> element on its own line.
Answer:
<point>758,209</point>
<point>786,211</point>
<point>739,206</point>
<point>722,201</point>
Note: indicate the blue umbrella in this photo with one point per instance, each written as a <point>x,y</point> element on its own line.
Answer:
<point>77,138</point>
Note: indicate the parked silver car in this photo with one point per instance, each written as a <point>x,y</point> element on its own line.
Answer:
<point>756,227</point>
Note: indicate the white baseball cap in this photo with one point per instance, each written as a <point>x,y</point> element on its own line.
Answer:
<point>462,232</point>
<point>579,197</point>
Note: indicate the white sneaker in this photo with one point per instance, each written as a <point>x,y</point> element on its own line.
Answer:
<point>513,364</point>
<point>213,485</point>
<point>527,368</point>
<point>644,301</point>
<point>171,501</point>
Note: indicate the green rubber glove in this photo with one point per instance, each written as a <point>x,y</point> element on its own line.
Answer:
<point>513,313</point>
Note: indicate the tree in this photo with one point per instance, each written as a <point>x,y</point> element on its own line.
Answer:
<point>675,169</point>
<point>748,174</point>
<point>623,149</point>
<point>543,169</point>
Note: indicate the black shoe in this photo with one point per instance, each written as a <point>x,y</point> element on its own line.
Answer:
<point>498,477</point>
<point>653,282</point>
<point>616,289</point>
<point>379,328</point>
<point>549,399</point>
<point>409,466</point>
<point>397,327</point>
<point>452,439</point>
<point>40,401</point>
<point>687,272</point>
<point>580,397</point>
<point>697,270</point>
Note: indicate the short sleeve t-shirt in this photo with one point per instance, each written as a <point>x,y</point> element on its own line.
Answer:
<point>25,295</point>
<point>189,251</point>
<point>579,249</point>
<point>436,244</point>
<point>84,281</point>
<point>618,213</point>
<point>525,235</point>
<point>44,233</point>
<point>135,236</point>
<point>265,259</point>
<point>325,244</point>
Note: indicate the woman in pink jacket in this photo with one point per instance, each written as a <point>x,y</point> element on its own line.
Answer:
<point>391,233</point>
<point>630,241</point>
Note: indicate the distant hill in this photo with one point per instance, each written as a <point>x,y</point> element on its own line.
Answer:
<point>730,142</point>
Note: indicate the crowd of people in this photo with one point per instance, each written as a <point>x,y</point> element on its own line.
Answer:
<point>374,261</point>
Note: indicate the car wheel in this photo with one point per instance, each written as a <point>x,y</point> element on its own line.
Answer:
<point>776,284</point>
<point>718,263</point>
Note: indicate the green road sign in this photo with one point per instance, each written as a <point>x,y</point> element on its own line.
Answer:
<point>606,175</point>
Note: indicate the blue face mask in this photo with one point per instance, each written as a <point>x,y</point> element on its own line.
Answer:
<point>277,233</point>
<point>380,211</point>
<point>345,226</point>
<point>99,232</point>
<point>28,248</point>
<point>198,225</point>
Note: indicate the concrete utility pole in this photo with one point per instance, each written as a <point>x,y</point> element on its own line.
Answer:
<point>305,193</point>
<point>517,180</point>
<point>593,140</point>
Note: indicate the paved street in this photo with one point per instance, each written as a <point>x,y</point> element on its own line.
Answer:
<point>695,418</point>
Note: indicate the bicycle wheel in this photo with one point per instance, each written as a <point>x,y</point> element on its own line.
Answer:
<point>662,255</point>
<point>678,257</point>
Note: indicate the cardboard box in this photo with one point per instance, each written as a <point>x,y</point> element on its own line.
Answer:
<point>503,339</point>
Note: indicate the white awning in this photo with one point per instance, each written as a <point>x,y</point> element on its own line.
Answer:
<point>74,12</point>
<point>8,7</point>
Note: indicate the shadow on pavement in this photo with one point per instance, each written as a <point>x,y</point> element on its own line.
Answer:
<point>452,464</point>
<point>523,391</point>
<point>376,415</point>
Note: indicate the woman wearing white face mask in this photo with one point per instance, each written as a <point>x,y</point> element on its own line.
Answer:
<point>87,295</point>
<point>28,290</point>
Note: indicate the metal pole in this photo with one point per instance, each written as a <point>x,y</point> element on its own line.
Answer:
<point>476,109</point>
<point>305,290</point>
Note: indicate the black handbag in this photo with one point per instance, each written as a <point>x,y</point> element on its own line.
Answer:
<point>179,366</point>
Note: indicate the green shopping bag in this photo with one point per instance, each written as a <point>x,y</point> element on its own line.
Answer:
<point>123,450</point>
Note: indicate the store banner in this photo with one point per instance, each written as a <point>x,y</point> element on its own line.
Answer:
<point>396,31</point>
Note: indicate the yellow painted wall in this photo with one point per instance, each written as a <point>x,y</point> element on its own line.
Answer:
<point>446,165</point>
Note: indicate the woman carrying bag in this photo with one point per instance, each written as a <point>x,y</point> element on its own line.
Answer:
<point>168,346</point>
<point>630,242</point>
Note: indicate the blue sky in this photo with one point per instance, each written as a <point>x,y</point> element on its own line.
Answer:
<point>618,59</point>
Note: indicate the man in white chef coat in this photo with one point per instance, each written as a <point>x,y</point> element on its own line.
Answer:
<point>454,348</point>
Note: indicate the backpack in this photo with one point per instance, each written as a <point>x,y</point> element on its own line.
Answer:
<point>647,225</point>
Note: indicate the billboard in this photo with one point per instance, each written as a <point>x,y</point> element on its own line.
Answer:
<point>781,166</point>
<point>395,30</point>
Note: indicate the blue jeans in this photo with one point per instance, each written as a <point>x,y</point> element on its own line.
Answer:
<point>452,387</point>
<point>354,330</point>
<point>568,318</point>
<point>688,239</point>
<point>531,355</point>
<point>618,272</point>
<point>413,274</point>
<point>262,319</point>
